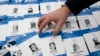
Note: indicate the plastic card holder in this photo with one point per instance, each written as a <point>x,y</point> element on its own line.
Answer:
<point>70,24</point>
<point>86,20</point>
<point>16,10</point>
<point>12,44</point>
<point>48,6</point>
<point>11,48</point>
<point>32,45</point>
<point>96,13</point>
<point>31,9</point>
<point>30,24</point>
<point>14,27</point>
<point>13,10</point>
<point>52,45</point>
<point>93,42</point>
<point>21,10</point>
<point>3,27</point>
<point>74,44</point>
<point>23,7</point>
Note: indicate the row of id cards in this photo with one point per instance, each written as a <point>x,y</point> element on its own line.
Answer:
<point>22,9</point>
<point>79,36</point>
<point>71,42</point>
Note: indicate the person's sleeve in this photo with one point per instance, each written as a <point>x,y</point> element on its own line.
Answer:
<point>76,6</point>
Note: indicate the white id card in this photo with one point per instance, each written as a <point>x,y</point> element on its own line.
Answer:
<point>31,47</point>
<point>52,46</point>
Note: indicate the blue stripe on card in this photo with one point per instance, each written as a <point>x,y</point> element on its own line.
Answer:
<point>96,53</point>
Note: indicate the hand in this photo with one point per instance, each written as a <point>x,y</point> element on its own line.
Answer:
<point>58,16</point>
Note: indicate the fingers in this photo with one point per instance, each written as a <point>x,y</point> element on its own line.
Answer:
<point>41,20</point>
<point>57,28</point>
<point>43,24</point>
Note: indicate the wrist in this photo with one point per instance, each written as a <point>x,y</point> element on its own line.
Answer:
<point>66,10</point>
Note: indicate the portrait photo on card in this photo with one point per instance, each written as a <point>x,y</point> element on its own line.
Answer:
<point>96,42</point>
<point>15,28</point>
<point>87,22</point>
<point>34,48</point>
<point>33,25</point>
<point>67,27</point>
<point>68,24</point>
<point>15,10</point>
<point>53,48</point>
<point>75,45</point>
<point>48,7</point>
<point>30,10</point>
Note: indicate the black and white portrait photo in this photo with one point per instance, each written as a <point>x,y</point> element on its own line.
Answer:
<point>52,46</point>
<point>75,47</point>
<point>33,47</point>
<point>53,49</point>
<point>87,22</point>
<point>96,41</point>
<point>68,24</point>
<point>30,10</point>
<point>15,10</point>
<point>33,25</point>
<point>15,28</point>
<point>48,7</point>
